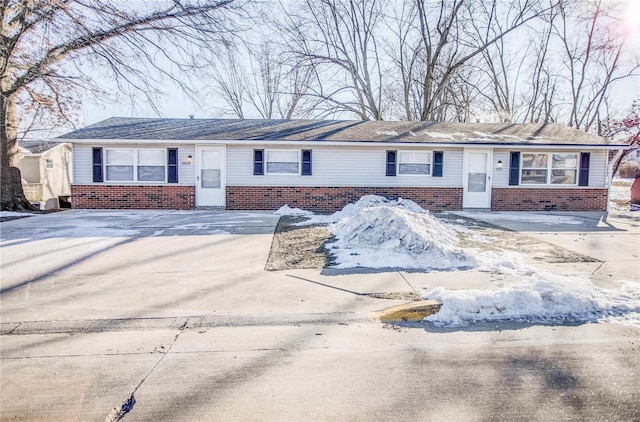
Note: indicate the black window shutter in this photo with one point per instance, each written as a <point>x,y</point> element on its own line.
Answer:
<point>306,162</point>
<point>391,163</point>
<point>438,161</point>
<point>514,168</point>
<point>258,162</point>
<point>97,165</point>
<point>583,178</point>
<point>172,160</point>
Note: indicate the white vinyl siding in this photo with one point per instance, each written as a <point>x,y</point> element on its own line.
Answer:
<point>341,166</point>
<point>597,168</point>
<point>83,164</point>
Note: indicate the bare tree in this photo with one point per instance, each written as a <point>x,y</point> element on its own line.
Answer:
<point>280,83</point>
<point>337,39</point>
<point>518,82</point>
<point>229,80</point>
<point>49,50</point>
<point>258,80</point>
<point>627,130</point>
<point>452,32</point>
<point>594,57</point>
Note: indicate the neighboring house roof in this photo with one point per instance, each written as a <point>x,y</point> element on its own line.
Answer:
<point>119,128</point>
<point>36,147</point>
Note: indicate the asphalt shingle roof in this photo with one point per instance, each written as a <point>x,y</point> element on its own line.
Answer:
<point>37,147</point>
<point>335,130</point>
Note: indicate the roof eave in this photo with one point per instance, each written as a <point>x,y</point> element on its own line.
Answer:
<point>530,145</point>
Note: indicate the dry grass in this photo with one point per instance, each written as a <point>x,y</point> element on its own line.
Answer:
<point>303,247</point>
<point>298,247</point>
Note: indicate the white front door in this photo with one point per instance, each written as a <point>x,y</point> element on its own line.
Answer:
<point>210,177</point>
<point>477,178</point>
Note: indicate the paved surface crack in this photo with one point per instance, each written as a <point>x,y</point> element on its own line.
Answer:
<point>119,412</point>
<point>597,269</point>
<point>407,281</point>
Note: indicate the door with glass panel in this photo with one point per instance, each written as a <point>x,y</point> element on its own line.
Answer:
<point>477,179</point>
<point>210,177</point>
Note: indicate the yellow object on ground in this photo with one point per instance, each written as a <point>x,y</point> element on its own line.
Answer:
<point>413,311</point>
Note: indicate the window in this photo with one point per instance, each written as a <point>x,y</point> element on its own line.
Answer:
<point>119,165</point>
<point>48,163</point>
<point>151,166</point>
<point>129,165</point>
<point>414,162</point>
<point>555,169</point>
<point>282,162</point>
<point>563,169</point>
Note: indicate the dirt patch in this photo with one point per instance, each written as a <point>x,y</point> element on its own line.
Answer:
<point>298,247</point>
<point>303,247</point>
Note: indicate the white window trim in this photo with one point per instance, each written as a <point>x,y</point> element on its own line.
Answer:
<point>266,162</point>
<point>550,168</point>
<point>400,151</point>
<point>46,164</point>
<point>135,166</point>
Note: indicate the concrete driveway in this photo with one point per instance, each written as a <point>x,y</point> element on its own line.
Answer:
<point>169,315</point>
<point>88,265</point>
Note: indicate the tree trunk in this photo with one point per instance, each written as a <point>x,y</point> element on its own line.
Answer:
<point>11,192</point>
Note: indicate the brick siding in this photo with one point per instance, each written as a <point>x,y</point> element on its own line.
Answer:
<point>133,197</point>
<point>330,199</point>
<point>552,199</point>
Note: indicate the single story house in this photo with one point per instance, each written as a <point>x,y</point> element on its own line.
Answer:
<point>45,168</point>
<point>321,165</point>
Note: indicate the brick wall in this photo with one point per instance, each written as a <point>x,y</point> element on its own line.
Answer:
<point>133,197</point>
<point>330,199</point>
<point>553,199</point>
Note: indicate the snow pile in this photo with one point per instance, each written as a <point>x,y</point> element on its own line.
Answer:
<point>394,234</point>
<point>542,297</point>
<point>287,210</point>
<point>375,232</point>
<point>349,210</point>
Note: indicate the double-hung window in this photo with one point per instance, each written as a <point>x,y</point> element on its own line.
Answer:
<point>135,165</point>
<point>554,169</point>
<point>414,162</point>
<point>282,162</point>
<point>151,165</point>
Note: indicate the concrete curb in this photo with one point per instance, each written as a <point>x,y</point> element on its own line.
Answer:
<point>180,323</point>
<point>413,311</point>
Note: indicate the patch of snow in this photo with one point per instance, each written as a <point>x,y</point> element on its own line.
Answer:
<point>387,235</point>
<point>483,134</point>
<point>14,214</point>
<point>542,297</point>
<point>387,132</point>
<point>439,135</point>
<point>620,195</point>
<point>287,210</point>
<point>90,232</point>
<point>204,228</point>
<point>375,232</point>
